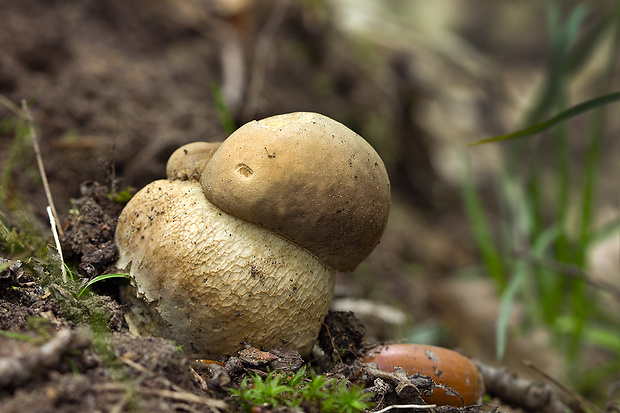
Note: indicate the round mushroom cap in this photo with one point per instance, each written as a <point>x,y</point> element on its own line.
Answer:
<point>187,162</point>
<point>307,178</point>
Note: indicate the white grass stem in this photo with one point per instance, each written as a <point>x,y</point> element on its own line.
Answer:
<point>407,406</point>
<point>57,240</point>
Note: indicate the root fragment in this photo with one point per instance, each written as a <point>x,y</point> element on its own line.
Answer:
<point>528,395</point>
<point>17,370</point>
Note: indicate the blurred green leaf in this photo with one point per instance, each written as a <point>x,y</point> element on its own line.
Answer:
<point>565,115</point>
<point>222,108</point>
<point>482,231</point>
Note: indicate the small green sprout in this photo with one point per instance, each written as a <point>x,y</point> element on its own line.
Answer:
<point>69,272</point>
<point>17,336</point>
<point>122,197</point>
<point>296,379</point>
<point>101,278</point>
<point>347,400</point>
<point>4,265</point>
<point>313,390</point>
<point>279,389</point>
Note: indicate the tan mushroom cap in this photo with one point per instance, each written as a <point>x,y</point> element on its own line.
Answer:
<point>187,162</point>
<point>309,179</point>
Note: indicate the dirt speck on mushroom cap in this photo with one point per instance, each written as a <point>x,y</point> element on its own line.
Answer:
<point>218,281</point>
<point>308,178</point>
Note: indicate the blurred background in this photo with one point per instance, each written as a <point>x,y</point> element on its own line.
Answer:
<point>507,251</point>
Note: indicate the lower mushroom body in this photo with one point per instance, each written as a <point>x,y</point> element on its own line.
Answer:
<point>213,282</point>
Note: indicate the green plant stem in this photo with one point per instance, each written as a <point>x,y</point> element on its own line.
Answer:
<point>562,252</point>
<point>482,232</point>
<point>595,143</point>
<point>222,108</point>
<point>581,309</point>
<point>101,278</point>
<point>17,142</point>
<point>519,274</point>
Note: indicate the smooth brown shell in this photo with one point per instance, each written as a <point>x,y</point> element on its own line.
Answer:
<point>307,178</point>
<point>444,366</point>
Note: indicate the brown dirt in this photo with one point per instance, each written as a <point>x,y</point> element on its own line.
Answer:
<point>53,364</point>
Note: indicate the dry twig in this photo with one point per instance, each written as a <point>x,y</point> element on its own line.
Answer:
<point>404,386</point>
<point>610,405</point>
<point>16,370</point>
<point>583,401</point>
<point>7,103</point>
<point>169,394</point>
<point>572,271</point>
<point>515,391</point>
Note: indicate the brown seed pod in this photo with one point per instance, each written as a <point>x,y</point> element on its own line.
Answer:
<point>446,367</point>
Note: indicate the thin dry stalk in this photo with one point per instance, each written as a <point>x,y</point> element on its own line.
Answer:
<point>122,403</point>
<point>516,391</point>
<point>407,406</point>
<point>570,271</point>
<point>169,394</point>
<point>57,241</point>
<point>145,371</point>
<point>262,53</point>
<point>610,405</point>
<point>6,102</point>
<point>37,151</point>
<point>19,369</point>
<point>583,401</point>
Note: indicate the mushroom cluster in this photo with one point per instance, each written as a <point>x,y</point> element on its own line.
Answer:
<point>241,243</point>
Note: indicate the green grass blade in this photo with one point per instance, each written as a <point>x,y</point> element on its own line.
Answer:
<point>481,231</point>
<point>589,184</point>
<point>222,108</point>
<point>563,248</point>
<point>19,135</point>
<point>101,278</point>
<point>585,47</point>
<point>581,309</point>
<point>567,114</point>
<point>609,229</point>
<point>69,272</point>
<point>520,270</point>
<point>561,38</point>
<point>574,23</point>
<point>17,336</point>
<point>549,285</point>
<point>581,306</point>
<point>602,336</point>
<point>595,143</point>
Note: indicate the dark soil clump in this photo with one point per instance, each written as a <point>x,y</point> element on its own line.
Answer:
<point>89,237</point>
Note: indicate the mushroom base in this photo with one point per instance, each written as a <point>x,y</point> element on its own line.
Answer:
<point>213,282</point>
